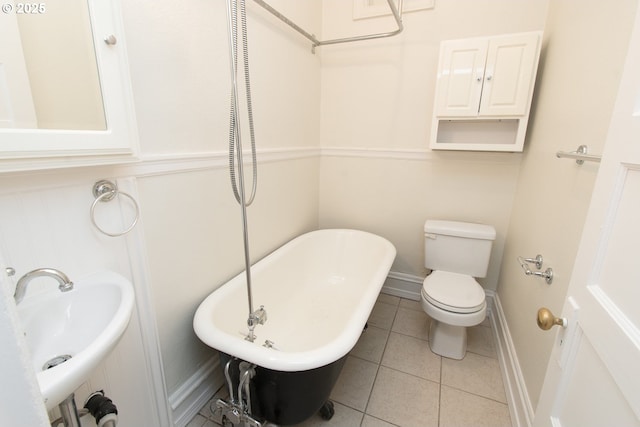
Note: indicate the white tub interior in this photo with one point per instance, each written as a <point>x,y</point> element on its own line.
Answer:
<point>318,291</point>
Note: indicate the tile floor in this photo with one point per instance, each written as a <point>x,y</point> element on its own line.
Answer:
<point>391,378</point>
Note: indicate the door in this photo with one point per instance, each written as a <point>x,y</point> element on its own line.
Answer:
<point>16,102</point>
<point>593,376</point>
<point>509,74</point>
<point>460,76</point>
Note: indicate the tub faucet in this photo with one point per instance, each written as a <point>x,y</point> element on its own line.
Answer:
<point>258,317</point>
<point>64,284</point>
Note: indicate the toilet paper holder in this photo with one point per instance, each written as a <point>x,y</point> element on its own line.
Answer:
<point>547,275</point>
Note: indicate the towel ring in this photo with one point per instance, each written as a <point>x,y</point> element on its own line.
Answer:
<point>105,191</point>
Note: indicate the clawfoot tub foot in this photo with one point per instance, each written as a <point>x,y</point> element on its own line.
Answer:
<point>326,411</point>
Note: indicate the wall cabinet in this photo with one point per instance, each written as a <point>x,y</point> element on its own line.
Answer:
<point>483,92</point>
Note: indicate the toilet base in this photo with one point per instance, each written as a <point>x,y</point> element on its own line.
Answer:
<point>448,340</point>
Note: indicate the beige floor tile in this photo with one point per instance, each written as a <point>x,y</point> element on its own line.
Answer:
<point>461,409</point>
<point>369,421</point>
<point>344,416</point>
<point>412,356</point>
<point>382,315</point>
<point>207,410</point>
<point>480,341</point>
<point>355,382</point>
<point>389,299</point>
<point>487,321</point>
<point>413,305</point>
<point>371,344</point>
<point>394,398</point>
<point>412,322</point>
<point>475,374</point>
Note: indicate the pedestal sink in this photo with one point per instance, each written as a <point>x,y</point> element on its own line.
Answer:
<point>70,333</point>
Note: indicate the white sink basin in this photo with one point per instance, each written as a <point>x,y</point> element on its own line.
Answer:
<point>84,323</point>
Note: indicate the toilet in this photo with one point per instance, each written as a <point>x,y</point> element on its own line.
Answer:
<point>456,253</point>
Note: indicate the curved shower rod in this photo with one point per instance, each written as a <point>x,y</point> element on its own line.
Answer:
<point>315,42</point>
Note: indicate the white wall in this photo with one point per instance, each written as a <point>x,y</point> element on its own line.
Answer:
<point>377,103</point>
<point>180,75</point>
<point>584,49</point>
<point>369,107</point>
<point>188,240</point>
<point>45,223</point>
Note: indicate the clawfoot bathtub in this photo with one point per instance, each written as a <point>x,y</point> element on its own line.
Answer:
<point>318,291</point>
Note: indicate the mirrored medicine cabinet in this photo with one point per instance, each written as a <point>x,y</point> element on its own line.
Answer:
<point>65,92</point>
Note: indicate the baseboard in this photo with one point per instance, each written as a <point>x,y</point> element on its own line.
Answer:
<point>520,408</point>
<point>403,285</point>
<point>194,393</point>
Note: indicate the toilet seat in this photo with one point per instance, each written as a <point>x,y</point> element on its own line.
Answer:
<point>457,293</point>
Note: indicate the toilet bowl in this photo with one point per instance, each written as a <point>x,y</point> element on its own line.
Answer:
<point>453,302</point>
<point>456,253</point>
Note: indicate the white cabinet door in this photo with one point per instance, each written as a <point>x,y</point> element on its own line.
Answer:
<point>509,73</point>
<point>489,76</point>
<point>460,77</point>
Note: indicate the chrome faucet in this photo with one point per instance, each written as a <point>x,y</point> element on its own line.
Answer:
<point>64,284</point>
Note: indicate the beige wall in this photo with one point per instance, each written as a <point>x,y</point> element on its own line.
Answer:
<point>584,49</point>
<point>377,104</point>
<point>369,106</point>
<point>179,61</point>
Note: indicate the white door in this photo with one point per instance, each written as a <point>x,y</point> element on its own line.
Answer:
<point>593,377</point>
<point>460,77</point>
<point>16,102</point>
<point>509,75</point>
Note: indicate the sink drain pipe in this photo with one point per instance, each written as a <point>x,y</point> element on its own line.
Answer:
<point>102,409</point>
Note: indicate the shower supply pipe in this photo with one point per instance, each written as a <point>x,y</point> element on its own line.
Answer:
<point>235,146</point>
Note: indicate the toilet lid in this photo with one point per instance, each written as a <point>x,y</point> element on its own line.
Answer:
<point>453,292</point>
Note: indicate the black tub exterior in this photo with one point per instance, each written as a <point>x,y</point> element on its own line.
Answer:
<point>287,398</point>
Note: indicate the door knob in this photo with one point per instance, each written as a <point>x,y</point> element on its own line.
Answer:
<point>546,319</point>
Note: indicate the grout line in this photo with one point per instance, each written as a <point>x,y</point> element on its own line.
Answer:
<point>366,406</point>
<point>475,394</point>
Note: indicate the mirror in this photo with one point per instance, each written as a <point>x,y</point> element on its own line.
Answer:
<point>65,94</point>
<point>49,72</point>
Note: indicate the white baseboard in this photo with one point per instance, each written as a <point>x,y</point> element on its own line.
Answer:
<point>520,409</point>
<point>194,393</point>
<point>403,285</point>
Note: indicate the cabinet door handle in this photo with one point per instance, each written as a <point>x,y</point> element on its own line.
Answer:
<point>489,78</point>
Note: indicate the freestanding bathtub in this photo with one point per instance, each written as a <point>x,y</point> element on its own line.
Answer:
<point>318,291</point>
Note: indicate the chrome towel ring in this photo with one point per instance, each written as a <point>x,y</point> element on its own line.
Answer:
<point>105,191</point>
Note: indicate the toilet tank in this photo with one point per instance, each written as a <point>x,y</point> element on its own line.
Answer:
<point>458,247</point>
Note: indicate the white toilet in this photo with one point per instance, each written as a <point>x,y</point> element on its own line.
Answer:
<point>456,252</point>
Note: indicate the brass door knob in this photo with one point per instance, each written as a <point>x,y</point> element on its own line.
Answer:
<point>546,319</point>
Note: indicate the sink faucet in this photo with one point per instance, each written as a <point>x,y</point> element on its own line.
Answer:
<point>64,284</point>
